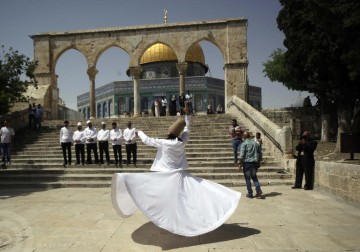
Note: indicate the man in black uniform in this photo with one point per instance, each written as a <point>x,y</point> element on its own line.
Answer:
<point>182,103</point>
<point>305,162</point>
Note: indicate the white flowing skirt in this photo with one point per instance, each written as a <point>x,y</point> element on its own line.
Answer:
<point>174,200</point>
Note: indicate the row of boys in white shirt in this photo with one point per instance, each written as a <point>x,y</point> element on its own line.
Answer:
<point>91,135</point>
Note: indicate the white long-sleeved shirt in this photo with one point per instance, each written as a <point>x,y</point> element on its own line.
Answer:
<point>103,135</point>
<point>115,136</point>
<point>66,135</point>
<point>170,153</point>
<point>79,136</point>
<point>129,134</point>
<point>6,134</point>
<point>90,133</point>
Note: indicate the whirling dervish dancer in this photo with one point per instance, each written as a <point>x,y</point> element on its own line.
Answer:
<point>169,196</point>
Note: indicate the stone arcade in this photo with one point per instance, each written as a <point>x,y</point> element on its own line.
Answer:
<point>228,35</point>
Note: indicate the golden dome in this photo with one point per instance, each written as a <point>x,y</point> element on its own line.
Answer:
<point>195,54</point>
<point>160,52</point>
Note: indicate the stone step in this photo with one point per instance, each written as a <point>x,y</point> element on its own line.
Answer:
<point>96,180</point>
<point>141,151</point>
<point>146,164</point>
<point>51,139</point>
<point>37,157</point>
<point>55,148</point>
<point>102,184</point>
<point>142,159</point>
<point>85,177</point>
<point>79,169</point>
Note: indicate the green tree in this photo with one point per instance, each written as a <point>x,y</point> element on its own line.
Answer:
<point>16,74</point>
<point>275,68</point>
<point>323,51</point>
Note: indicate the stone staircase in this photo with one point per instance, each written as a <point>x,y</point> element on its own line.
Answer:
<point>37,157</point>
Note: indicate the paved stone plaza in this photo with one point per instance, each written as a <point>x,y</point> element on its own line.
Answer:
<point>84,220</point>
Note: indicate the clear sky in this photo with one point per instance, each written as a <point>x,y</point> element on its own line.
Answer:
<point>21,18</point>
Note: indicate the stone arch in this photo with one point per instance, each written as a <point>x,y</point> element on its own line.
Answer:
<point>210,41</point>
<point>208,38</point>
<point>104,49</point>
<point>155,42</point>
<point>229,35</point>
<point>64,50</point>
<point>69,60</point>
<point>140,52</point>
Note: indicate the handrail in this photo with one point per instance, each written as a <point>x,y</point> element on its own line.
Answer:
<point>13,115</point>
<point>276,143</point>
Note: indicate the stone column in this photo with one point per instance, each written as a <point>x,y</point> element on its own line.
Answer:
<point>135,72</point>
<point>236,81</point>
<point>46,94</point>
<point>92,71</point>
<point>182,70</point>
<point>54,97</point>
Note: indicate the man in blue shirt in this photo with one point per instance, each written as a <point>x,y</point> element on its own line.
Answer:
<point>250,156</point>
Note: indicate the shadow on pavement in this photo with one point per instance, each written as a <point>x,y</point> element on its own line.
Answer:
<point>6,193</point>
<point>149,234</point>
<point>272,194</point>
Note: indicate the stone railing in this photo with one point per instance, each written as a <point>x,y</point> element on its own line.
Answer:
<point>17,119</point>
<point>278,140</point>
<point>339,179</point>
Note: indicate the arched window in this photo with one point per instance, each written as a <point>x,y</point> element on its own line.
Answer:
<point>131,105</point>
<point>198,103</point>
<point>121,106</point>
<point>98,114</point>
<point>104,109</point>
<point>144,104</point>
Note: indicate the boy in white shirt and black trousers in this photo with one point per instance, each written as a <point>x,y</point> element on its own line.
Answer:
<point>130,141</point>
<point>115,137</point>
<point>91,136</point>
<point>79,139</point>
<point>103,137</point>
<point>66,140</point>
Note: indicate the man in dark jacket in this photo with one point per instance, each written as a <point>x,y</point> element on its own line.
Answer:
<point>305,162</point>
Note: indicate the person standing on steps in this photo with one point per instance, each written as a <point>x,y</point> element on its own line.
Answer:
<point>250,155</point>
<point>182,103</point>
<point>236,138</point>
<point>188,99</point>
<point>258,138</point>
<point>219,109</point>
<point>66,140</point>
<point>209,110</point>
<point>34,108</point>
<point>31,116</point>
<point>130,143</point>
<point>157,107</point>
<point>172,108</point>
<point>90,133</point>
<point>163,106</point>
<point>7,139</point>
<point>79,142</point>
<point>259,141</point>
<point>38,117</point>
<point>103,137</point>
<point>115,137</point>
<point>305,162</point>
